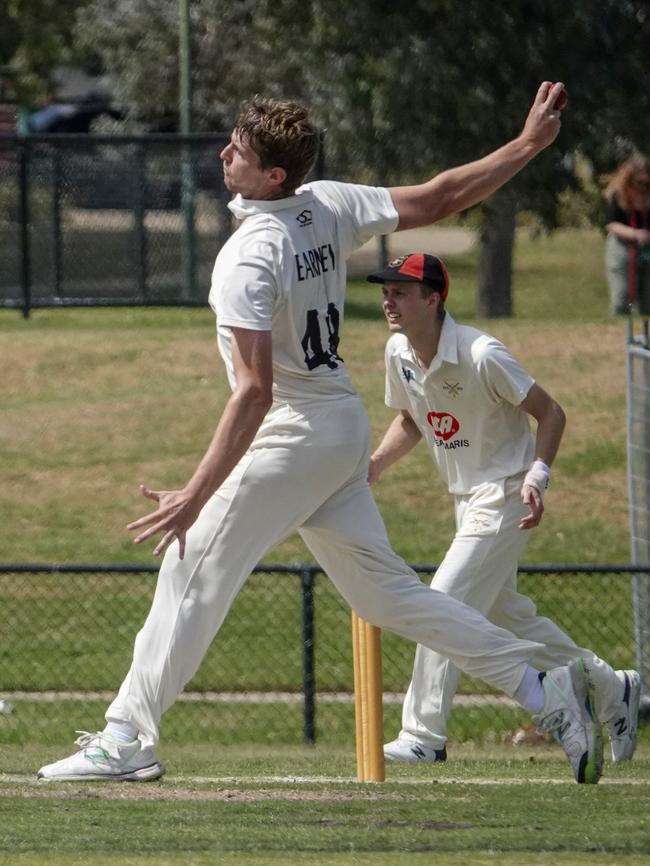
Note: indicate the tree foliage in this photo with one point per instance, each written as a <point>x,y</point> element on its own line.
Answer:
<point>403,90</point>
<point>35,36</point>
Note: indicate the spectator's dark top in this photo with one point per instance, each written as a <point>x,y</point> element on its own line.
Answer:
<point>614,213</point>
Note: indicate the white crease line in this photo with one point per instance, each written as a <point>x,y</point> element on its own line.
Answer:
<point>30,780</point>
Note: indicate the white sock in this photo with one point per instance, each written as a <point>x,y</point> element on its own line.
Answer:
<point>121,730</point>
<point>530,693</point>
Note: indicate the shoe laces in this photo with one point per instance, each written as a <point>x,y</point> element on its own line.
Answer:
<point>86,738</point>
<point>104,744</point>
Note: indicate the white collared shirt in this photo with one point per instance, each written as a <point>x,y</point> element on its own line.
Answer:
<point>466,405</point>
<point>284,270</point>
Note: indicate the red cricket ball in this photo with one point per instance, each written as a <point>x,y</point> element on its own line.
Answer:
<point>561,100</point>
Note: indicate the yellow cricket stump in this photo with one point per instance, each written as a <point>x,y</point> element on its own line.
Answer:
<point>368,700</point>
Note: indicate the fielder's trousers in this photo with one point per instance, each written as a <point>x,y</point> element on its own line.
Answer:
<point>306,470</point>
<point>480,568</point>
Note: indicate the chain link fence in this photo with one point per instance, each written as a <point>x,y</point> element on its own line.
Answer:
<point>638,479</point>
<point>280,669</point>
<point>110,220</point>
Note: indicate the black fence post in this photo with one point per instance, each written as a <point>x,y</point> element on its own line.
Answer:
<point>139,210</point>
<point>26,273</point>
<point>308,675</point>
<point>57,240</point>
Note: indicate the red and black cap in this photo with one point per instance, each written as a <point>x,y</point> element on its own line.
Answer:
<point>415,268</point>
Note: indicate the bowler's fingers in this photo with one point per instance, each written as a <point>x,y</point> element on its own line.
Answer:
<point>164,542</point>
<point>542,93</point>
<point>552,96</point>
<point>150,494</point>
<point>181,544</point>
<point>148,519</point>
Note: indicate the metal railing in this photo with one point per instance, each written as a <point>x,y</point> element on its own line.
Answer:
<point>67,631</point>
<point>104,220</point>
<point>110,220</point>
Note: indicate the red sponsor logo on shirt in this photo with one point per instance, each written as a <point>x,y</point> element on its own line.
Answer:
<point>444,425</point>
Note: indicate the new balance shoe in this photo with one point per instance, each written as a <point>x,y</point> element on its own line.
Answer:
<point>622,727</point>
<point>569,715</point>
<point>103,758</point>
<point>411,752</point>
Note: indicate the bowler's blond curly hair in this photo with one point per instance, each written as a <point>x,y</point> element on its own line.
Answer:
<point>282,135</point>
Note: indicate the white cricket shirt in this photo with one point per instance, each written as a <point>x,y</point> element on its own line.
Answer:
<point>465,405</point>
<point>284,270</point>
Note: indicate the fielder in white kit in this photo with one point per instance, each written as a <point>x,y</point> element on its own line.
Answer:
<point>292,447</point>
<point>463,393</point>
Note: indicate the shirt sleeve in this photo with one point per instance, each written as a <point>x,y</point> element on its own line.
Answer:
<point>503,377</point>
<point>395,393</point>
<point>362,211</point>
<point>247,288</point>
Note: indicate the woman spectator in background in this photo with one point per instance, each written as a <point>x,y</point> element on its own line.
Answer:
<point>628,236</point>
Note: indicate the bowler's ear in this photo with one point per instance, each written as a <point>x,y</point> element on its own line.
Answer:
<point>278,175</point>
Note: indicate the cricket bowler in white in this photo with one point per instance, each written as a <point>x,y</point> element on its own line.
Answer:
<point>463,393</point>
<point>292,447</point>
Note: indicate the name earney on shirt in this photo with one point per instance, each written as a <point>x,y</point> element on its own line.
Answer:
<point>312,263</point>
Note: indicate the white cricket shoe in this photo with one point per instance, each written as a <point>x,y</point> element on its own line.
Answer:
<point>103,758</point>
<point>412,752</point>
<point>569,715</point>
<point>622,727</point>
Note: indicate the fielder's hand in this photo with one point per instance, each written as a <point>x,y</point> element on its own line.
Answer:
<point>174,516</point>
<point>373,471</point>
<point>533,499</point>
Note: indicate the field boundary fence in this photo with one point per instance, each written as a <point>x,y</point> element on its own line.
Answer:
<point>280,669</point>
<point>106,220</point>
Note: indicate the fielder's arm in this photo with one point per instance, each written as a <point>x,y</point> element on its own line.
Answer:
<point>551,421</point>
<point>459,188</point>
<point>402,435</point>
<point>242,415</point>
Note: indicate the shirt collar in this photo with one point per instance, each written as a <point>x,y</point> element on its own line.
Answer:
<point>447,348</point>
<point>245,207</point>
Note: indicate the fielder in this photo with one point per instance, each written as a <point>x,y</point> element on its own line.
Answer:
<point>463,393</point>
<point>292,447</point>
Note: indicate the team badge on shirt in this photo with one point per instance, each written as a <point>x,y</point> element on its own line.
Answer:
<point>453,389</point>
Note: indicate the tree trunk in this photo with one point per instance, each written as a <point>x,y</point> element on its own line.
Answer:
<point>494,294</point>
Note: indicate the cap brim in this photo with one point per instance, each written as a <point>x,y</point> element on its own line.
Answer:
<point>393,276</point>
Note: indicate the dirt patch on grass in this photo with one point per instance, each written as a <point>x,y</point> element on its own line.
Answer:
<point>137,791</point>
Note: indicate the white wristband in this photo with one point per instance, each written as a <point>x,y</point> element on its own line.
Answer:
<point>538,476</point>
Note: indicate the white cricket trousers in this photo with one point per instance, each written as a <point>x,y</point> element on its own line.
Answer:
<point>305,470</point>
<point>480,569</point>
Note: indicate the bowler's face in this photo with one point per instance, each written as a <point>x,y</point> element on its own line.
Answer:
<point>242,171</point>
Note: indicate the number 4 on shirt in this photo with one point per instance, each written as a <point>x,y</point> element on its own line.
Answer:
<point>312,342</point>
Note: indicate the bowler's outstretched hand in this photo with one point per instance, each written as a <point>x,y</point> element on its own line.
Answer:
<point>175,514</point>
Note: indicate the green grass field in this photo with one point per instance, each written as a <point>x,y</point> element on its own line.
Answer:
<point>95,401</point>
<point>249,806</point>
